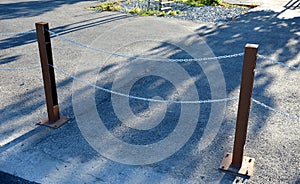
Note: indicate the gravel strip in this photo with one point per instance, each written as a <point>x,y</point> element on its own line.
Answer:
<point>201,14</point>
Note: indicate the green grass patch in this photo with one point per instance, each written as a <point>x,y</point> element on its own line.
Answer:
<point>147,12</point>
<point>227,5</point>
<point>106,6</point>
<point>115,6</point>
<point>200,2</point>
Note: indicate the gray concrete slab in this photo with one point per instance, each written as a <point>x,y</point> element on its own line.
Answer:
<point>285,8</point>
<point>152,143</point>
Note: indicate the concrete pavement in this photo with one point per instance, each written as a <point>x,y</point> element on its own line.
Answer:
<point>68,155</point>
<point>286,8</point>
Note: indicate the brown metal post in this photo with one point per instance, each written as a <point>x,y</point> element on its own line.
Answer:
<point>244,104</point>
<point>237,162</point>
<point>54,119</point>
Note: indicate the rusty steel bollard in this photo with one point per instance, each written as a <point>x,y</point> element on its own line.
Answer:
<point>54,119</point>
<point>236,162</point>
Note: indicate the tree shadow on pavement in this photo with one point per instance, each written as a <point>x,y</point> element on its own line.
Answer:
<point>28,38</point>
<point>293,4</point>
<point>276,37</point>
<point>30,8</point>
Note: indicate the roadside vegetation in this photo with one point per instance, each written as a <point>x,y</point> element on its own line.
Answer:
<point>106,6</point>
<point>200,2</point>
<point>149,12</point>
<point>154,10</point>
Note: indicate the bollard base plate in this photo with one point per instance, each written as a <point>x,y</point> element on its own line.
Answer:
<point>246,169</point>
<point>56,124</point>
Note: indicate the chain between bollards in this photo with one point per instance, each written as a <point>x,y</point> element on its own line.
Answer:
<point>54,119</point>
